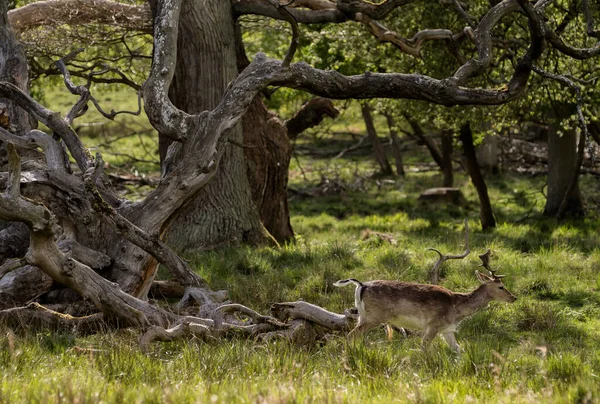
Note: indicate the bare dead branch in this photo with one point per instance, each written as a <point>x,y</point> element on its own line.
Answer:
<point>52,120</point>
<point>13,188</point>
<point>466,16</point>
<point>264,8</point>
<point>112,114</point>
<point>309,115</point>
<point>163,115</point>
<point>92,258</point>
<point>410,46</point>
<point>313,313</point>
<point>355,146</point>
<point>184,330</point>
<point>238,308</point>
<point>53,150</point>
<point>45,254</point>
<point>589,20</point>
<point>18,141</point>
<point>56,158</point>
<point>374,11</point>
<point>80,107</point>
<point>483,41</point>
<point>37,316</point>
<point>47,13</point>
<point>11,265</point>
<point>534,14</point>
<point>343,10</point>
<point>434,272</point>
<point>287,16</point>
<point>313,4</point>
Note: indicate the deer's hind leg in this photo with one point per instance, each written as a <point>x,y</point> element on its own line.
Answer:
<point>451,340</point>
<point>360,330</point>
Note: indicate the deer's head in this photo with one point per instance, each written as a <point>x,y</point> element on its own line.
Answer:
<point>495,288</point>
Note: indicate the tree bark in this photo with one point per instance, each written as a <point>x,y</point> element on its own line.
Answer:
<point>486,214</point>
<point>396,145</point>
<point>309,115</point>
<point>380,156</point>
<point>447,149</point>
<point>268,151</point>
<point>420,135</point>
<point>562,160</point>
<point>223,213</point>
<point>28,282</point>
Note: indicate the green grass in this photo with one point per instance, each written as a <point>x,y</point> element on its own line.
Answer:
<point>543,348</point>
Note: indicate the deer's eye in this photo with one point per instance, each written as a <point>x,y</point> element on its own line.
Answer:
<point>501,287</point>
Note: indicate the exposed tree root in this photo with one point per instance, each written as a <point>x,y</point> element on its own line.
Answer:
<point>299,322</point>
<point>37,316</point>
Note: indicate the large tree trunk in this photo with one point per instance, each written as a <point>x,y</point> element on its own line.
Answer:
<point>378,149</point>
<point>223,213</point>
<point>27,282</point>
<point>13,69</point>
<point>268,152</point>
<point>562,160</point>
<point>486,214</point>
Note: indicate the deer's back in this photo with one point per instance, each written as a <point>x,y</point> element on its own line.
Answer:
<point>406,304</point>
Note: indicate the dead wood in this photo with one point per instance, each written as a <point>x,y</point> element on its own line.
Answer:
<point>368,233</point>
<point>313,313</point>
<point>36,316</point>
<point>166,289</point>
<point>309,115</point>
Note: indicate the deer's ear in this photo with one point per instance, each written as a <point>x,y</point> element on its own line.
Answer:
<point>483,278</point>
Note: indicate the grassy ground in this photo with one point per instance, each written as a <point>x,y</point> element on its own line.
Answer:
<point>543,348</point>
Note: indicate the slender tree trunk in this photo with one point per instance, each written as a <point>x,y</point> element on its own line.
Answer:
<point>562,160</point>
<point>486,214</point>
<point>396,146</point>
<point>380,156</point>
<point>421,136</point>
<point>223,213</point>
<point>447,149</point>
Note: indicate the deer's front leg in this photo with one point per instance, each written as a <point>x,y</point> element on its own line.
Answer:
<point>451,340</point>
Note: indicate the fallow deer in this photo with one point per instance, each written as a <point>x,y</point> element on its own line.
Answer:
<point>428,308</point>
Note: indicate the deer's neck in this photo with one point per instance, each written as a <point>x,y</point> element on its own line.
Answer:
<point>469,303</point>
